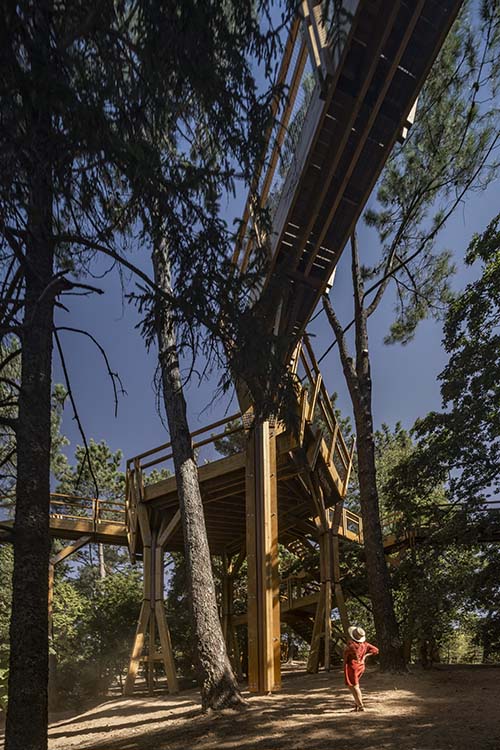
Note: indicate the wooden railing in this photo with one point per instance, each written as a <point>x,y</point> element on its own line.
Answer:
<point>73,507</point>
<point>160,458</point>
<point>311,56</point>
<point>316,408</point>
<point>297,586</point>
<point>100,510</point>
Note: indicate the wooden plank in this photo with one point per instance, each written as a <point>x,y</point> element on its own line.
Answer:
<point>164,446</point>
<point>372,59</point>
<point>252,584</point>
<point>152,651</point>
<point>316,391</point>
<point>208,471</point>
<point>314,451</point>
<point>273,576</point>
<point>335,564</point>
<point>349,468</point>
<point>166,647</point>
<point>137,648</point>
<point>303,415</point>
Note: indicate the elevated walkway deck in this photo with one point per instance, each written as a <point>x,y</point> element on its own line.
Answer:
<point>350,89</point>
<point>73,517</point>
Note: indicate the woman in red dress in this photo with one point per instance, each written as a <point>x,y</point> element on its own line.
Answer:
<point>355,653</point>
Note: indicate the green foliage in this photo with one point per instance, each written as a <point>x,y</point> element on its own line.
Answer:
<point>449,152</point>
<point>92,636</point>
<point>6,568</point>
<point>94,474</point>
<point>462,444</point>
<point>178,614</point>
<point>235,443</point>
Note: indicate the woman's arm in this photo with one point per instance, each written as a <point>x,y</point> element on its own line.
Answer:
<point>370,651</point>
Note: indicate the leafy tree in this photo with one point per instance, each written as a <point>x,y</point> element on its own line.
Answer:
<point>213,133</point>
<point>110,127</point>
<point>112,622</point>
<point>450,152</point>
<point>235,443</point>
<point>465,439</point>
<point>461,446</point>
<point>96,473</point>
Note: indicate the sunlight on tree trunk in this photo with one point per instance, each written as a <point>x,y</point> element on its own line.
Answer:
<point>217,682</point>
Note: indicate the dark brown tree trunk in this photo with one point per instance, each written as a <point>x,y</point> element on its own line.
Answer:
<point>29,664</point>
<point>391,649</point>
<point>358,378</point>
<point>218,684</point>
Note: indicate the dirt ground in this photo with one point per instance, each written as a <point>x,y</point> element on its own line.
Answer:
<point>448,707</point>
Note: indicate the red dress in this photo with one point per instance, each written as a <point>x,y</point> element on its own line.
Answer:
<point>354,664</point>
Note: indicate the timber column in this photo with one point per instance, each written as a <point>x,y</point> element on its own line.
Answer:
<point>263,609</point>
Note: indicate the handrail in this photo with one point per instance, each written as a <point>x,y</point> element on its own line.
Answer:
<point>299,67</point>
<point>317,400</point>
<point>97,510</point>
<point>131,462</point>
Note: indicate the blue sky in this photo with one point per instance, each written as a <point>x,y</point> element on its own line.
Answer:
<point>404,378</point>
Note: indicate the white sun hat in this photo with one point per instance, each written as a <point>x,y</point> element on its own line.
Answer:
<point>357,634</point>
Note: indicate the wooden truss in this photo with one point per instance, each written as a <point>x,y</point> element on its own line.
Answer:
<point>152,617</point>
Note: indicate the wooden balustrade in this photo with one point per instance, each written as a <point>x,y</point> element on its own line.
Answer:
<point>316,408</point>
<point>305,67</point>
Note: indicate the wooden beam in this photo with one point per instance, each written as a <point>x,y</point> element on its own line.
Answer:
<point>169,529</point>
<point>262,561</point>
<point>318,627</point>
<point>137,647</point>
<point>70,549</point>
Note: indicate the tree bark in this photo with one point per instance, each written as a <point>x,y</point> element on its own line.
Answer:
<point>358,378</point>
<point>102,564</point>
<point>27,718</point>
<point>217,682</point>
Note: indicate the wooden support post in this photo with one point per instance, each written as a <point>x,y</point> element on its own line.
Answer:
<point>328,597</point>
<point>318,627</point>
<point>264,668</point>
<point>135,656</point>
<point>152,651</point>
<point>153,608</point>
<point>335,567</point>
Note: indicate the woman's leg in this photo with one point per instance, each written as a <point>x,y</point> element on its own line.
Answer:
<point>356,695</point>
<point>356,691</point>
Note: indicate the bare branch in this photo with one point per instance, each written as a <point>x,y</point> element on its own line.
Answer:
<point>76,414</point>
<point>339,335</point>
<point>114,377</point>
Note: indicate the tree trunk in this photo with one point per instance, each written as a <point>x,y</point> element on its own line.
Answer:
<point>358,379</point>
<point>29,654</point>
<point>217,682</point>
<point>102,565</point>
<point>27,718</point>
<point>391,649</point>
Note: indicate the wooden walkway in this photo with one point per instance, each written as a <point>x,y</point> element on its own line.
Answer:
<point>365,70</point>
<point>73,517</point>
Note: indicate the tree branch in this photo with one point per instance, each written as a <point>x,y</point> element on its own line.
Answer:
<point>339,335</point>
<point>114,377</point>
<point>76,415</point>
